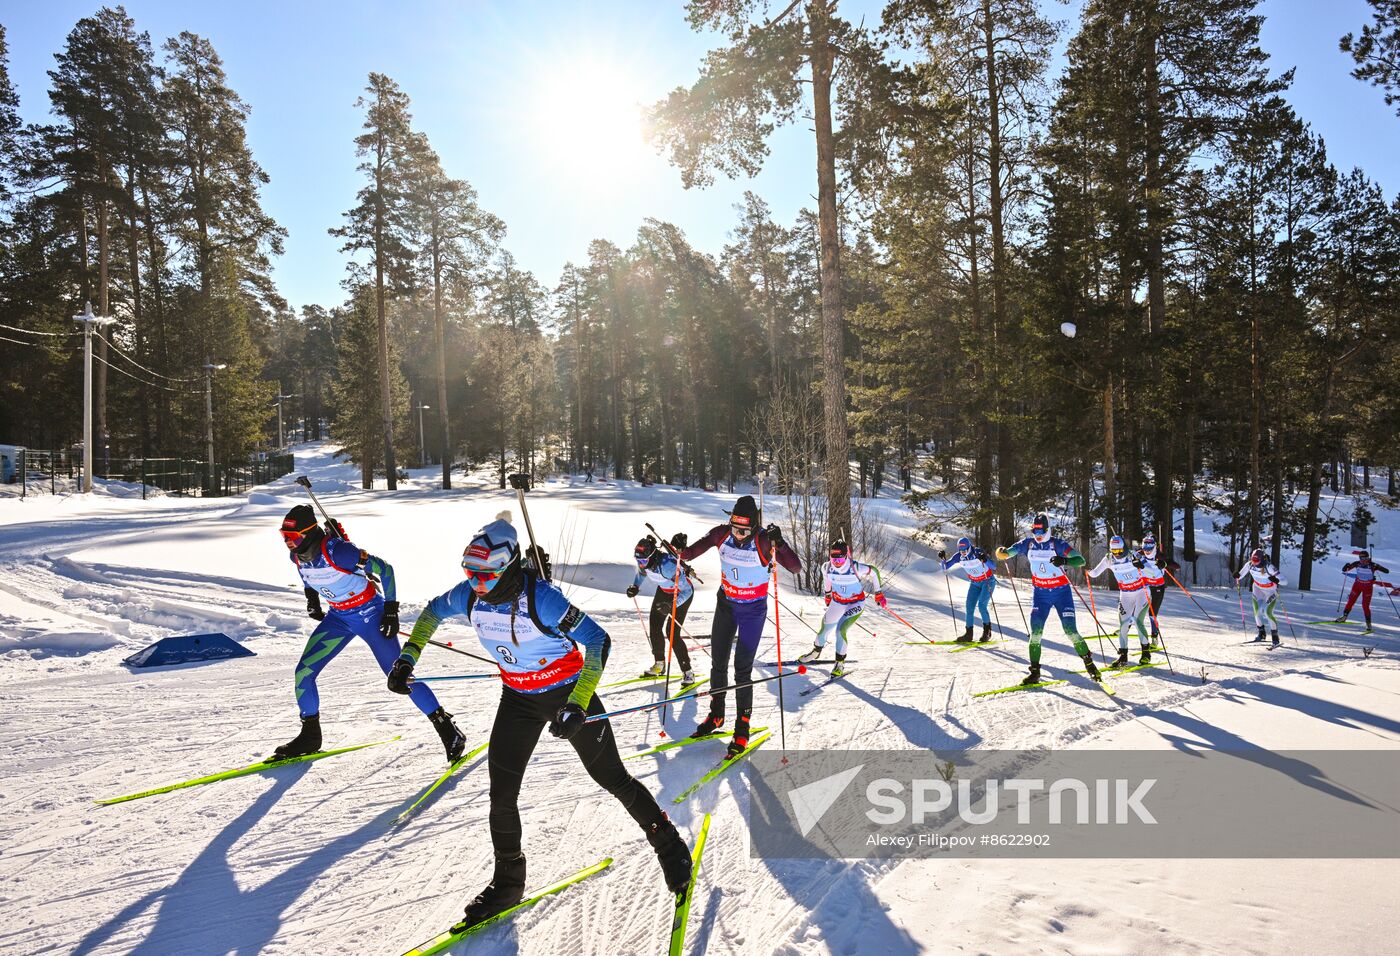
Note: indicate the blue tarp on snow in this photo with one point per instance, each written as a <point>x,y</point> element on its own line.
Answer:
<point>188,649</point>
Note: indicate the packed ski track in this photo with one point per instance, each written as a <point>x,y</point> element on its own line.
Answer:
<point>308,857</point>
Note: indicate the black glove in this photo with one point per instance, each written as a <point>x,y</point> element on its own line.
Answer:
<point>942,555</point>
<point>1058,561</point>
<point>775,534</point>
<point>568,721</point>
<point>1273,578</point>
<point>335,527</point>
<point>539,560</point>
<point>679,540</point>
<point>389,622</point>
<point>313,605</point>
<point>1349,565</point>
<point>632,590</point>
<point>1139,563</point>
<point>401,676</point>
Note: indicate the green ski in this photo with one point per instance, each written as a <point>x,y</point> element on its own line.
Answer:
<point>684,742</point>
<point>1103,685</point>
<point>724,765</point>
<point>655,680</point>
<point>459,932</point>
<point>456,765</point>
<point>1339,623</point>
<point>258,767</point>
<point>933,643</point>
<point>973,647</point>
<point>682,914</point>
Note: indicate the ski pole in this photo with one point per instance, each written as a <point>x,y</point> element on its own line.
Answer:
<point>801,669</point>
<point>1240,595</point>
<point>798,613</point>
<point>1389,596</point>
<point>665,543</point>
<point>1289,620</point>
<point>777,621</point>
<point>1189,594</point>
<point>521,484</point>
<point>1160,634</point>
<point>641,619</point>
<point>1016,592</point>
<point>671,637</point>
<point>1093,611</point>
<point>305,482</point>
<point>1341,593</point>
<point>891,612</point>
<point>951,611</point>
<point>424,680</point>
<point>455,650</point>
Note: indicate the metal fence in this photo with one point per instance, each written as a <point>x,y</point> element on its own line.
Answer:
<point>44,472</point>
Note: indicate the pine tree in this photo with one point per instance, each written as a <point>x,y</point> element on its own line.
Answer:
<point>1377,50</point>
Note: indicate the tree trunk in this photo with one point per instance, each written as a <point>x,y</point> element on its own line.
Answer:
<point>444,426</point>
<point>386,403</point>
<point>104,306</point>
<point>838,454</point>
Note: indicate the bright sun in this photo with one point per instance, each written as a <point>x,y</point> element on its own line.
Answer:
<point>586,117</point>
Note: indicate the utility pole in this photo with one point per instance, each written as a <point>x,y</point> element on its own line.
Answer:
<point>278,402</point>
<point>88,320</point>
<point>422,448</point>
<point>209,369</point>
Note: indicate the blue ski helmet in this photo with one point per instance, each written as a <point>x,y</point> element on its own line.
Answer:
<point>1116,545</point>
<point>1040,528</point>
<point>1149,545</point>
<point>964,545</point>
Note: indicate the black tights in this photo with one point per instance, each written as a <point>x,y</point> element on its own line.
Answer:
<point>520,719</point>
<point>661,626</point>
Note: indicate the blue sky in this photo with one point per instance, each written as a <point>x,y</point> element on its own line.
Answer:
<point>499,87</point>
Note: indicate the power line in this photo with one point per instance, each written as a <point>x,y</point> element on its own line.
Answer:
<point>143,368</point>
<point>22,341</point>
<point>122,371</point>
<point>15,328</point>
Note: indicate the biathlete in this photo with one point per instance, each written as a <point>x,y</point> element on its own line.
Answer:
<point>982,581</point>
<point>333,568</point>
<point>844,587</point>
<point>550,656</point>
<point>1128,568</point>
<point>1154,569</point>
<point>673,592</point>
<point>741,607</point>
<point>1048,557</point>
<point>1363,581</point>
<point>1264,583</point>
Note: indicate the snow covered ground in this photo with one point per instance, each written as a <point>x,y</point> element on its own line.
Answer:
<point>306,858</point>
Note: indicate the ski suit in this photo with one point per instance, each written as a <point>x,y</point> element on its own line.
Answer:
<point>741,606</point>
<point>549,653</point>
<point>1363,575</point>
<point>661,568</point>
<point>981,575</point>
<point>1050,588</point>
<point>844,590</point>
<point>1132,596</point>
<point>344,576</point>
<point>1263,592</point>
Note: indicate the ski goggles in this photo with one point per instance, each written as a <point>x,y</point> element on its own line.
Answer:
<point>294,539</point>
<point>481,576</point>
<point>1040,533</point>
<point>838,559</point>
<point>740,530</point>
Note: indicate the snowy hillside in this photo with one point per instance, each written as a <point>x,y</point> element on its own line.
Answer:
<point>307,858</point>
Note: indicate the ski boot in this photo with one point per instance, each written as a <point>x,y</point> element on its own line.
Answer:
<point>1367,629</point>
<point>840,669</point>
<point>740,742</point>
<point>655,670</point>
<point>986,632</point>
<point>672,853</point>
<point>966,636</point>
<point>1033,677</point>
<point>811,655</point>
<point>1122,659</point>
<point>453,741</point>
<point>507,887</point>
<point>1156,644</point>
<point>1276,642</point>
<point>1146,657</point>
<point>306,742</point>
<point>1260,636</point>
<point>1091,668</point>
<point>1341,620</point>
<point>709,726</point>
<point>687,678</point>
